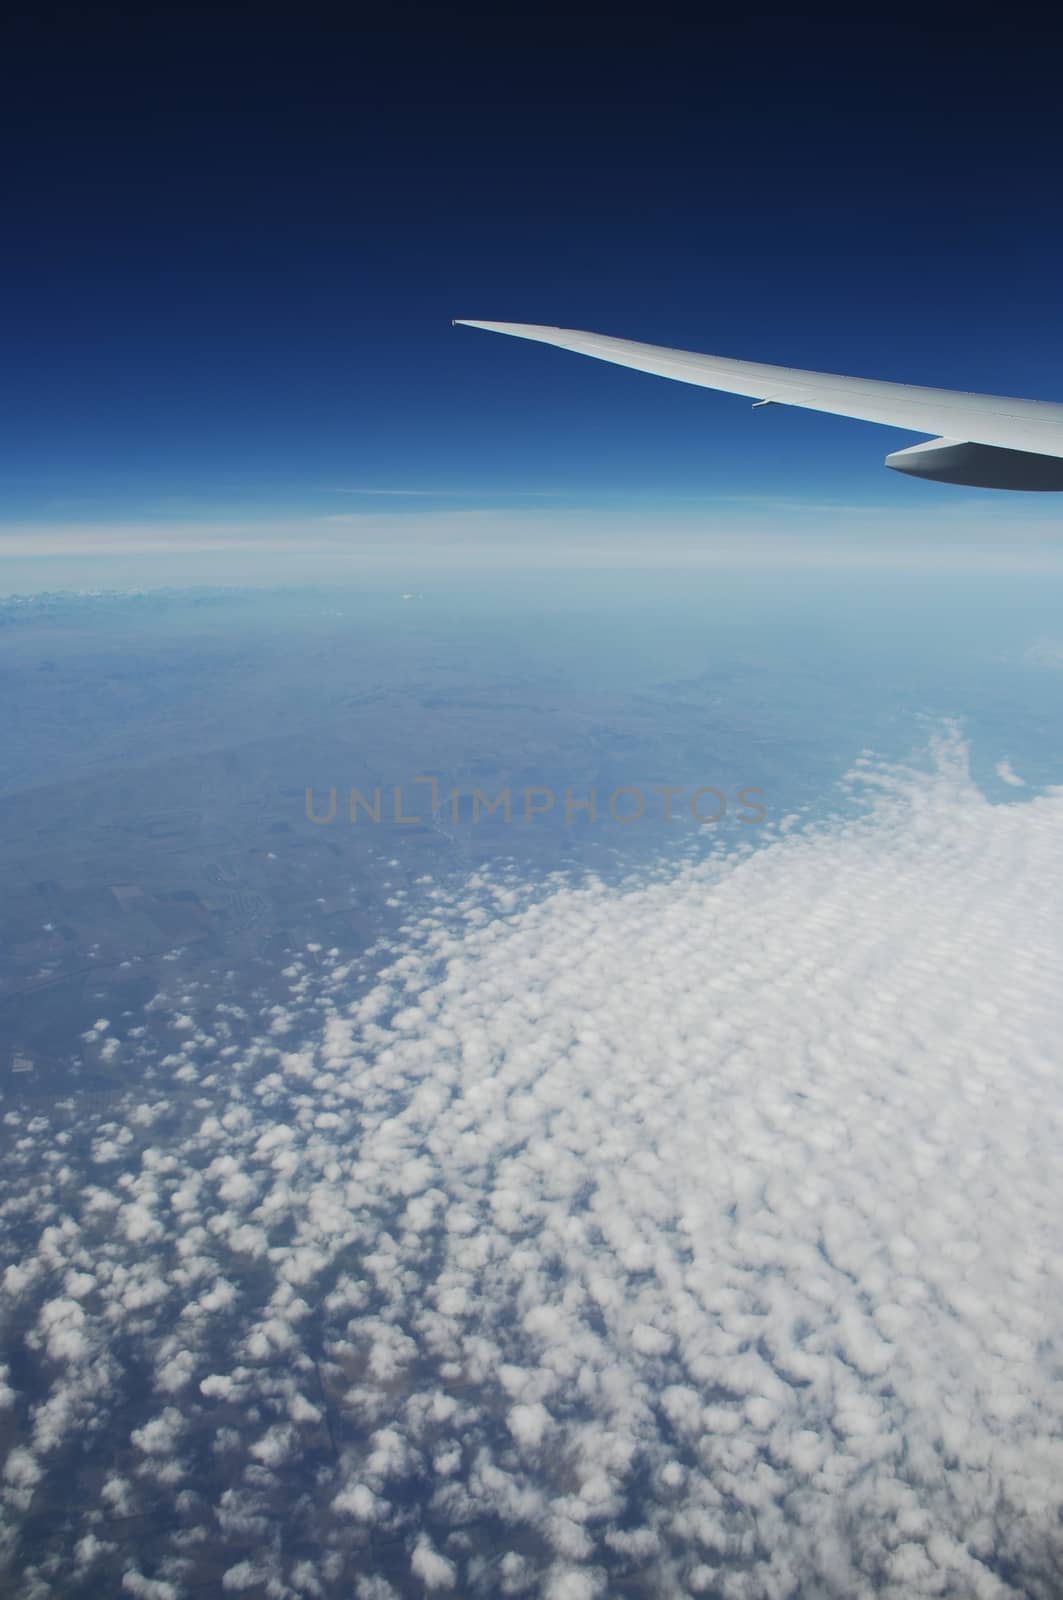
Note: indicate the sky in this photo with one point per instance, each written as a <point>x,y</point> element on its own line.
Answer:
<point>526,1213</point>
<point>235,244</point>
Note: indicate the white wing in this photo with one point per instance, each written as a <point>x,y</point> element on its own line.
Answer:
<point>985,440</point>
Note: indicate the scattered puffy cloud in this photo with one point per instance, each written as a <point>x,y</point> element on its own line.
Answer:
<point>434,1570</point>
<point>697,1233</point>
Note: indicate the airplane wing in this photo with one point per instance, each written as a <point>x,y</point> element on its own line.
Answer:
<point>983,440</point>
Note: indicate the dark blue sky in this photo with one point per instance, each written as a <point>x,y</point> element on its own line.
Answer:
<point>234,241</point>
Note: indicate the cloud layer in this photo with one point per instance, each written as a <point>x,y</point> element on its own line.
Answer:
<point>964,535</point>
<point>693,1236</point>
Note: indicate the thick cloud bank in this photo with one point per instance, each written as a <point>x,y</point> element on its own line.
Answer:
<point>696,1237</point>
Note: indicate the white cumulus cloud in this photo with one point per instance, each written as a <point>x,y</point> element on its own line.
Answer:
<point>698,1233</point>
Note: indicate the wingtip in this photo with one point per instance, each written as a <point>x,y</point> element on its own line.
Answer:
<point>519,330</point>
